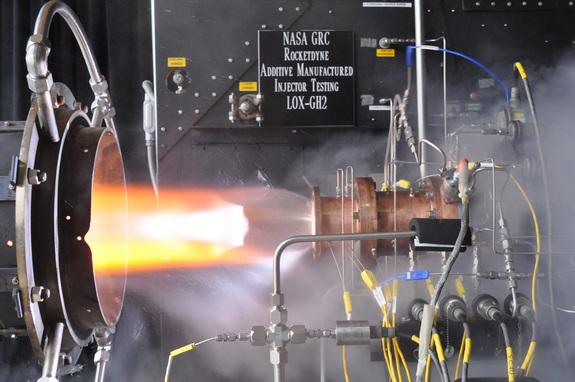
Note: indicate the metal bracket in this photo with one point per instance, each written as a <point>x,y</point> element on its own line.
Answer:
<point>8,279</point>
<point>6,191</point>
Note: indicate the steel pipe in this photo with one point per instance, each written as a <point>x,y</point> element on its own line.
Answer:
<point>323,238</point>
<point>421,81</point>
<point>42,27</point>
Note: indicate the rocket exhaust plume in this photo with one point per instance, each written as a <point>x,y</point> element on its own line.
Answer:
<point>192,228</point>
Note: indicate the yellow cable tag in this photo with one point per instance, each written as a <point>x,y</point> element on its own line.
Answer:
<point>387,292</point>
<point>430,287</point>
<point>369,279</point>
<point>183,349</point>
<point>521,70</point>
<point>395,287</point>
<point>510,367</point>
<point>439,348</point>
<point>347,302</point>
<point>459,287</point>
<point>467,353</point>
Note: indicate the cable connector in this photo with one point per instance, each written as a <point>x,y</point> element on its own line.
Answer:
<point>183,349</point>
<point>409,55</point>
<point>417,275</point>
<point>369,279</point>
<point>430,287</point>
<point>347,303</point>
<point>460,288</point>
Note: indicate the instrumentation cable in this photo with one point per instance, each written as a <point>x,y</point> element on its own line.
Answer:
<point>409,59</point>
<point>508,347</point>
<point>517,66</point>
<point>181,350</point>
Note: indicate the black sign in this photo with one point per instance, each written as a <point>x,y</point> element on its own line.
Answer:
<point>306,78</point>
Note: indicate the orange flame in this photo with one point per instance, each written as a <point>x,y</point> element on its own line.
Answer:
<point>189,228</point>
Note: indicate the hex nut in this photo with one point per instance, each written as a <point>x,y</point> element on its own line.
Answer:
<point>278,356</point>
<point>258,335</point>
<point>298,334</point>
<point>35,176</point>
<point>278,315</point>
<point>102,355</point>
<point>39,293</point>
<point>40,84</point>
<point>277,299</point>
<point>99,87</point>
<point>39,38</point>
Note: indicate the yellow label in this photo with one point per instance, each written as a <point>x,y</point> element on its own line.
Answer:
<point>183,349</point>
<point>176,62</point>
<point>347,302</point>
<point>248,86</point>
<point>439,348</point>
<point>467,353</point>
<point>369,279</point>
<point>521,70</point>
<point>510,367</point>
<point>518,115</point>
<point>405,184</point>
<point>385,53</point>
<point>430,287</point>
<point>460,288</point>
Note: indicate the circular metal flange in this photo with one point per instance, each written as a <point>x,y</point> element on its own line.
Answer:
<point>52,219</point>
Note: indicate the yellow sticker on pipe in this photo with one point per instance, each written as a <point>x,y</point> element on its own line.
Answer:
<point>510,367</point>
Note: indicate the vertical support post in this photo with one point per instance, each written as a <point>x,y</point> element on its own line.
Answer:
<point>52,353</point>
<point>421,81</point>
<point>104,337</point>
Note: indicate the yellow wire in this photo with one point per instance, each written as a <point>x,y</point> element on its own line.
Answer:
<point>385,346</point>
<point>427,368</point>
<point>529,357</point>
<point>402,359</point>
<point>390,355</point>
<point>388,361</point>
<point>344,355</point>
<point>439,347</point>
<point>399,359</point>
<point>348,310</point>
<point>395,351</point>
<point>397,362</point>
<point>460,355</point>
<point>538,236</point>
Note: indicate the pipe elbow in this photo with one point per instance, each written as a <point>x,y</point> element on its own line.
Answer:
<point>37,51</point>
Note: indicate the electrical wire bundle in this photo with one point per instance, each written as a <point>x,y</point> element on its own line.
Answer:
<point>391,352</point>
